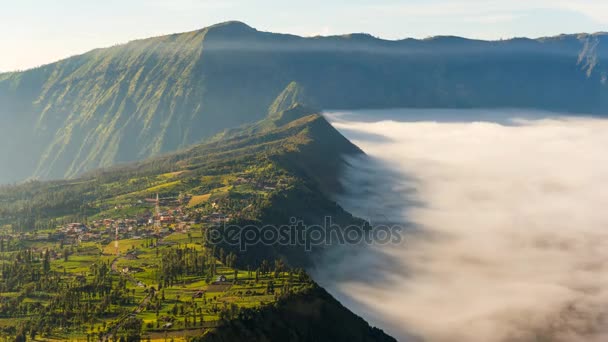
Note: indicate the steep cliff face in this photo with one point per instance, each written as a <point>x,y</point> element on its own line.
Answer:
<point>123,103</point>
<point>155,95</point>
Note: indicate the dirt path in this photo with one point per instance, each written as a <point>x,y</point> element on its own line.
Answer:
<point>142,305</point>
<point>113,265</point>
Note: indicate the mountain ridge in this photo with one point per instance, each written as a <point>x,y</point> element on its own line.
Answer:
<point>237,23</point>
<point>157,95</point>
<point>264,178</point>
<point>268,178</point>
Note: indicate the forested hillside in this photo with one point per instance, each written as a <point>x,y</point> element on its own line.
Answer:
<point>98,258</point>
<point>311,316</point>
<point>286,170</point>
<point>157,95</point>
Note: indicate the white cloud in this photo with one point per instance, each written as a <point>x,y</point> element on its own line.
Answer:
<point>513,239</point>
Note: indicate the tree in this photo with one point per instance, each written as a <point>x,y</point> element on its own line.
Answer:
<point>21,335</point>
<point>270,287</point>
<point>222,259</point>
<point>264,267</point>
<point>131,329</point>
<point>278,267</point>
<point>46,264</point>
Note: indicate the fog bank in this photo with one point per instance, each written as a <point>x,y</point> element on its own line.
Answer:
<point>508,236</point>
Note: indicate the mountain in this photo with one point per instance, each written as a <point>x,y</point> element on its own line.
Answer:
<point>261,174</point>
<point>156,95</point>
<point>289,169</point>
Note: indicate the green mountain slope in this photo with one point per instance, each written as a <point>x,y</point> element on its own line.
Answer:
<point>289,171</point>
<point>254,175</point>
<point>121,104</point>
<point>157,95</point>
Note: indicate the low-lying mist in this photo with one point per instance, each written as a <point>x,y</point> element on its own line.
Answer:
<point>507,236</point>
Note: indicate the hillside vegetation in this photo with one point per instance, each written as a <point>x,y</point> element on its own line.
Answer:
<point>259,178</point>
<point>312,315</point>
<point>80,259</point>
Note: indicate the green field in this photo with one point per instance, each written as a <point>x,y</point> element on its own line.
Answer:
<point>186,305</point>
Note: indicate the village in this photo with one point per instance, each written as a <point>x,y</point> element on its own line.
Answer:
<point>146,250</point>
<point>160,217</point>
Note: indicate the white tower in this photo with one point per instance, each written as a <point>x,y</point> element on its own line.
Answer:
<point>116,242</point>
<point>157,215</point>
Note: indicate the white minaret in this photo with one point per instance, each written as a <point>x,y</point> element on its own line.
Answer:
<point>157,215</point>
<point>116,242</point>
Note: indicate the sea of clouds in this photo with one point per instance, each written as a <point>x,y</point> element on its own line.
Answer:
<point>507,225</point>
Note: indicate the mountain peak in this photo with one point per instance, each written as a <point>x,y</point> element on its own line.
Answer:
<point>293,94</point>
<point>232,26</point>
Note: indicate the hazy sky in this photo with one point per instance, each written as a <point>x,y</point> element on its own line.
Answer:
<point>35,32</point>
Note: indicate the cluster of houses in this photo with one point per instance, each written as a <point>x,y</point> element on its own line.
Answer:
<point>136,227</point>
<point>142,226</point>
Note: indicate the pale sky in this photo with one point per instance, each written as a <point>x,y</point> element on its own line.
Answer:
<point>35,32</point>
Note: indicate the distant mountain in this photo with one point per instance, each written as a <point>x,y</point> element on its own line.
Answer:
<point>156,95</point>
